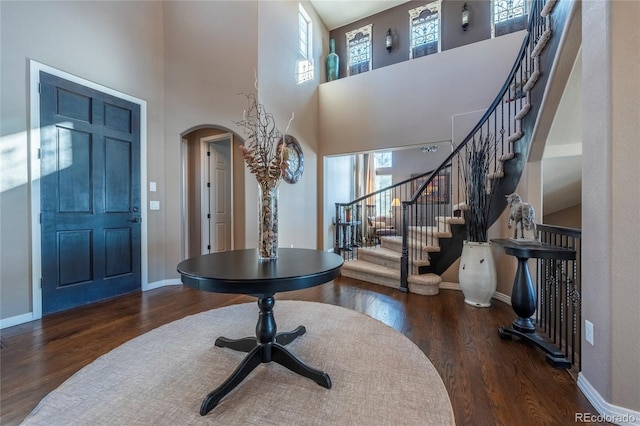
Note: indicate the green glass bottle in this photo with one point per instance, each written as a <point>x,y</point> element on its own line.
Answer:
<point>333,62</point>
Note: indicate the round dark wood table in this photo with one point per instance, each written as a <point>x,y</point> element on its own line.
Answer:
<point>240,272</point>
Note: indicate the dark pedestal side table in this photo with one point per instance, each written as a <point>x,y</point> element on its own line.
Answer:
<point>523,296</point>
<point>240,272</point>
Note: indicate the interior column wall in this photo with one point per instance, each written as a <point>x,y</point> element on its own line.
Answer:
<point>625,189</point>
<point>611,200</point>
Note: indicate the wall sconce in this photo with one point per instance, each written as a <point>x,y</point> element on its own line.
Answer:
<point>429,148</point>
<point>389,40</point>
<point>465,17</point>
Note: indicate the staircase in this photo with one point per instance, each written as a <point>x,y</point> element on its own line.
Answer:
<point>414,260</point>
<point>382,264</point>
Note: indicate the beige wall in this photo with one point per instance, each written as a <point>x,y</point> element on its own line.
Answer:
<point>611,199</point>
<point>569,218</point>
<point>204,74</point>
<point>413,102</point>
<point>118,45</point>
<point>282,96</point>
<point>189,61</point>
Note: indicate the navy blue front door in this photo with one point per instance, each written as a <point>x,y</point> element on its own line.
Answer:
<point>90,194</point>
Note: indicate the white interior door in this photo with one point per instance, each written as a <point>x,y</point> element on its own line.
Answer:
<point>217,234</point>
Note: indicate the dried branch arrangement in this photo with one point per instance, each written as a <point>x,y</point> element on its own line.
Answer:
<point>266,156</point>
<point>263,151</point>
<point>476,165</point>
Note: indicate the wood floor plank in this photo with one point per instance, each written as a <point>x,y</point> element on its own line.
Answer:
<point>490,381</point>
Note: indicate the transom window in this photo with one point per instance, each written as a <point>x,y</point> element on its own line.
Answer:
<point>383,159</point>
<point>305,31</point>
<point>359,50</point>
<point>304,71</point>
<point>509,16</point>
<point>424,22</point>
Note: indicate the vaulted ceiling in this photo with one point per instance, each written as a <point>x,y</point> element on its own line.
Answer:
<point>337,13</point>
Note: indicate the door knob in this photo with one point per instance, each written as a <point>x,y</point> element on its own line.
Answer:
<point>134,219</point>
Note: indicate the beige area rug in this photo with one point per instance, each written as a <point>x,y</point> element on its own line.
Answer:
<point>379,376</point>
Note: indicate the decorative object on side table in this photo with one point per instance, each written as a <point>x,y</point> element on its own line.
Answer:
<point>267,155</point>
<point>477,274</point>
<point>522,214</point>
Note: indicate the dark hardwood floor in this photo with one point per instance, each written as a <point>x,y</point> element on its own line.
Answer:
<point>490,381</point>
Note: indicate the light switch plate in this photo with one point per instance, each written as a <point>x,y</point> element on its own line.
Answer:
<point>152,187</point>
<point>588,332</point>
<point>154,205</point>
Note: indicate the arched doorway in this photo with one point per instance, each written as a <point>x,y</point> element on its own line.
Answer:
<point>212,177</point>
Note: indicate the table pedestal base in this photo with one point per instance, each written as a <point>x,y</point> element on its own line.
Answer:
<point>267,346</point>
<point>555,357</point>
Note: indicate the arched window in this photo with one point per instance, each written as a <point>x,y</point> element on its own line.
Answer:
<point>509,16</point>
<point>424,22</point>
<point>359,50</point>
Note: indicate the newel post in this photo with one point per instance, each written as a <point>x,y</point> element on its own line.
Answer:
<point>336,247</point>
<point>404,260</point>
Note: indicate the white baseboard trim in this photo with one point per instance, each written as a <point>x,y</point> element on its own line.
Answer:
<point>17,320</point>
<point>502,298</point>
<point>608,412</point>
<point>163,283</point>
<point>497,295</point>
<point>444,285</point>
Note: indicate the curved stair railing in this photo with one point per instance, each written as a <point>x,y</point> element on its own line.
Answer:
<point>428,225</point>
<point>359,222</point>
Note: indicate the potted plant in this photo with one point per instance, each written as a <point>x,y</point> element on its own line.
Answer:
<point>476,274</point>
<point>347,214</point>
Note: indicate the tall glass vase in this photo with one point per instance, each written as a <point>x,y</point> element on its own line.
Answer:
<point>267,222</point>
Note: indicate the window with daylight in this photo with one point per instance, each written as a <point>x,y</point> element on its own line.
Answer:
<point>424,22</point>
<point>509,16</point>
<point>383,200</point>
<point>383,159</point>
<point>359,50</point>
<point>305,46</point>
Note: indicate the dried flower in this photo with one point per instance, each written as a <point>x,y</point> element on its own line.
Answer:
<point>266,156</point>
<point>264,150</point>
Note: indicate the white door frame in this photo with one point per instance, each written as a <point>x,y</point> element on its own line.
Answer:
<point>184,210</point>
<point>34,177</point>
<point>204,202</point>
